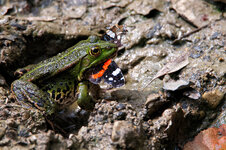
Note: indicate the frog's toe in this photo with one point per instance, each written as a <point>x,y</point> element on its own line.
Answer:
<point>20,72</point>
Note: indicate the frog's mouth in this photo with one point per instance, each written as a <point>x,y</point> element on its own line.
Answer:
<point>100,66</point>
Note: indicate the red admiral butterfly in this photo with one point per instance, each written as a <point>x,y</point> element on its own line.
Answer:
<point>109,70</point>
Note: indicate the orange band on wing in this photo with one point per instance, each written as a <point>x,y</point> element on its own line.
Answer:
<point>106,64</point>
<point>101,72</point>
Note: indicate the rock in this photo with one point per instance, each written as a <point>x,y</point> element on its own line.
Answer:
<point>5,141</point>
<point>173,85</point>
<point>193,94</point>
<point>74,11</point>
<point>2,132</point>
<point>221,118</point>
<point>212,138</point>
<point>101,123</point>
<point>198,13</point>
<point>213,98</point>
<point>154,103</point>
<point>11,122</point>
<point>143,7</point>
<point>44,141</point>
<point>127,136</point>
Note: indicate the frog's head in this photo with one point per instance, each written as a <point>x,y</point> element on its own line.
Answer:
<point>97,51</point>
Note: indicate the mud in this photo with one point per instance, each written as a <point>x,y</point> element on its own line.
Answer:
<point>139,115</point>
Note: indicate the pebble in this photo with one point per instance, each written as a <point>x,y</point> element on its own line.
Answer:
<point>213,98</point>
<point>5,141</point>
<point>120,106</point>
<point>11,122</point>
<point>126,135</point>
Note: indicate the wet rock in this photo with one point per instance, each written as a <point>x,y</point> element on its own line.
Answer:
<point>212,138</point>
<point>101,124</point>
<point>198,13</point>
<point>11,122</point>
<point>121,106</point>
<point>214,35</point>
<point>193,94</point>
<point>221,118</point>
<point>45,140</point>
<point>173,85</point>
<point>213,98</point>
<point>163,128</point>
<point>23,131</point>
<point>112,3</point>
<point>4,142</point>
<point>2,132</point>
<point>74,11</point>
<point>127,136</point>
<point>154,103</point>
<point>144,7</point>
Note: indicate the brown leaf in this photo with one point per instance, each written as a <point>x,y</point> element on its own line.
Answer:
<point>173,66</point>
<point>177,64</point>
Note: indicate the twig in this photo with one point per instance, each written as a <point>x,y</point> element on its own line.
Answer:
<point>196,30</point>
<point>189,33</point>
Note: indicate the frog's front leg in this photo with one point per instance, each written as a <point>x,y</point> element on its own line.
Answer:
<point>29,95</point>
<point>84,100</point>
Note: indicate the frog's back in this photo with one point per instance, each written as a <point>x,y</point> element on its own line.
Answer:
<point>56,64</point>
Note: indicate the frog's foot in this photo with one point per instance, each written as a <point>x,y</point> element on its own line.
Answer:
<point>85,101</point>
<point>29,95</point>
<point>20,72</point>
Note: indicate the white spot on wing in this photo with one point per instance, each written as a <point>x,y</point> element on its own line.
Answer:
<point>110,79</point>
<point>116,72</point>
<point>111,34</point>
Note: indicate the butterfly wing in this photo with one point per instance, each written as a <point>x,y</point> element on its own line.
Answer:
<point>109,72</point>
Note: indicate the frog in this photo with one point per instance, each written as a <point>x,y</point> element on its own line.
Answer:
<point>66,79</point>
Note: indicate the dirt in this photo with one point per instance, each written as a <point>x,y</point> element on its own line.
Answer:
<point>141,114</point>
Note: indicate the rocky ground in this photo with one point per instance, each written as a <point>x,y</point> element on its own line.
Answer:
<point>180,44</point>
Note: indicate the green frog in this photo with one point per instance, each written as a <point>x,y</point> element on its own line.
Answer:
<point>66,78</point>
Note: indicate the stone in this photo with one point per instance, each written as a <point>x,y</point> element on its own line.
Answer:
<point>126,135</point>
<point>213,98</point>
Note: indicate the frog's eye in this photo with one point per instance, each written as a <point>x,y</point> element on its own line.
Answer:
<point>95,51</point>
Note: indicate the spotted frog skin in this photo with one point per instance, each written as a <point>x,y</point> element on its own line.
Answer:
<point>57,82</point>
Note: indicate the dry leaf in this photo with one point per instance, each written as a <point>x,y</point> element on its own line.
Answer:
<point>177,64</point>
